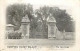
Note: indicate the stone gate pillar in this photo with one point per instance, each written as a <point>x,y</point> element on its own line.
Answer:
<point>25,27</point>
<point>51,28</point>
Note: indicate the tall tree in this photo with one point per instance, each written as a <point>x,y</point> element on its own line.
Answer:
<point>62,18</point>
<point>16,12</point>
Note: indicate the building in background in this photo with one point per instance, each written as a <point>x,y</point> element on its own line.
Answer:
<point>9,29</point>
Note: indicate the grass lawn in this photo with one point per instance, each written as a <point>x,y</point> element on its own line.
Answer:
<point>39,42</point>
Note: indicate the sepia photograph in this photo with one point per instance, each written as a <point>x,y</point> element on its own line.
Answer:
<point>45,24</point>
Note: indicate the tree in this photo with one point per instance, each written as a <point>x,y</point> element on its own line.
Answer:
<point>16,12</point>
<point>42,15</point>
<point>62,18</point>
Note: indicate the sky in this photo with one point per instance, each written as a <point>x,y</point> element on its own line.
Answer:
<point>69,5</point>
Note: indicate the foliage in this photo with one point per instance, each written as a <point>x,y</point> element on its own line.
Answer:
<point>16,12</point>
<point>62,18</point>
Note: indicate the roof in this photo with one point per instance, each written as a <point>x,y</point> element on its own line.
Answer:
<point>25,19</point>
<point>51,19</point>
<point>10,25</point>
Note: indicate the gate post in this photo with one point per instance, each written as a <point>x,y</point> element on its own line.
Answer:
<point>25,26</point>
<point>51,27</point>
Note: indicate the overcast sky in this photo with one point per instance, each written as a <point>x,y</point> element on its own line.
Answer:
<point>69,5</point>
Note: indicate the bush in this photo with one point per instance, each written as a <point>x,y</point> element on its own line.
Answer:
<point>14,35</point>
